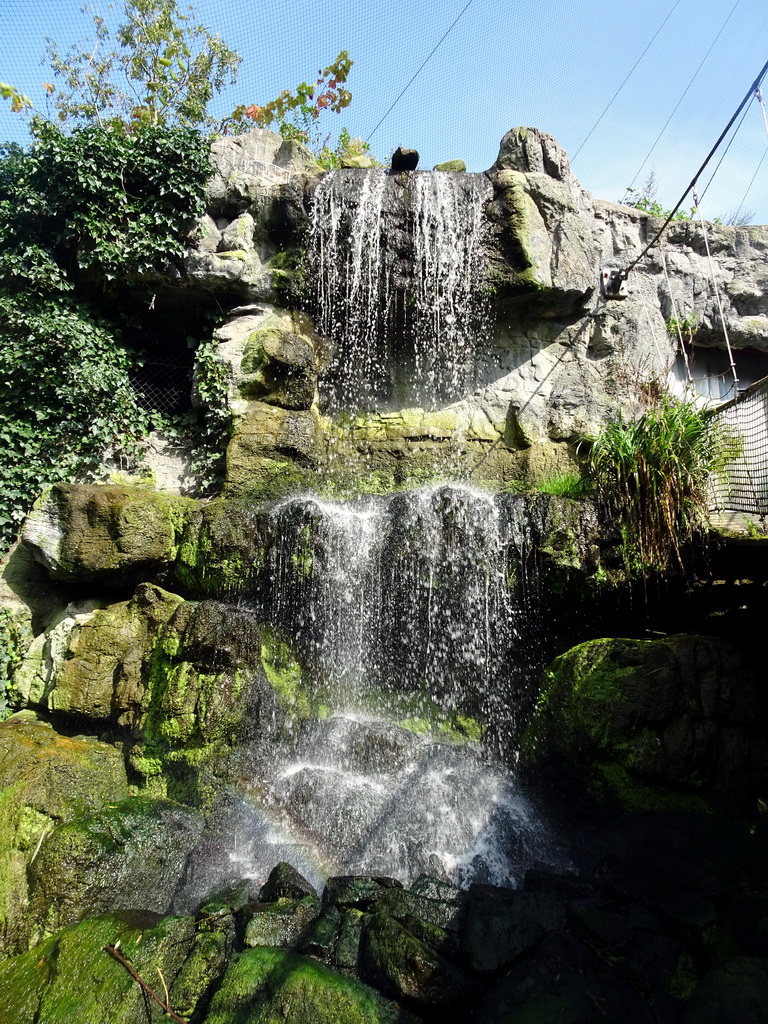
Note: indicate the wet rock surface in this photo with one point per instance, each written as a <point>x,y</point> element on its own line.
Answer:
<point>632,932</point>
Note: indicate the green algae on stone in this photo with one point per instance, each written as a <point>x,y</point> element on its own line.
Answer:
<point>106,534</point>
<point>271,450</point>
<point>45,778</point>
<point>102,673</point>
<point>221,553</point>
<point>272,986</point>
<point>454,166</point>
<point>71,979</point>
<point>635,719</point>
<point>402,966</point>
<point>127,856</point>
<point>206,694</point>
<point>298,698</point>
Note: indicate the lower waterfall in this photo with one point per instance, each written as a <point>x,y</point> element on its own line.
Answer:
<point>415,619</point>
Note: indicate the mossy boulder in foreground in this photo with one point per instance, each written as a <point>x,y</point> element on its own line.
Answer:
<point>675,722</point>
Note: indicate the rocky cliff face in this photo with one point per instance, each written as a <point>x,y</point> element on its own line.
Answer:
<point>204,687</point>
<point>554,357</point>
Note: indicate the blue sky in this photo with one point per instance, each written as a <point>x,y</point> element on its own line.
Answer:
<point>553,64</point>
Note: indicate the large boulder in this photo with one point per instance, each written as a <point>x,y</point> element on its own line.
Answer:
<point>678,721</point>
<point>45,779</point>
<point>265,985</point>
<point>113,536</point>
<point>129,856</point>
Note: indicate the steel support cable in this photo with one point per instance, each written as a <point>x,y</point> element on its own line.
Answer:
<point>420,68</point>
<point>759,98</point>
<point>716,290</point>
<point>627,78</point>
<point>725,153</point>
<point>684,94</point>
<point>752,90</point>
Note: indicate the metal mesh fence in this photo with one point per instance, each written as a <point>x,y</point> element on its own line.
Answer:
<point>162,387</point>
<point>742,486</point>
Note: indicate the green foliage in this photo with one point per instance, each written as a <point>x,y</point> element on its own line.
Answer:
<point>19,101</point>
<point>103,201</point>
<point>347,148</point>
<point>652,478</point>
<point>65,399</point>
<point>683,326</point>
<point>566,485</point>
<point>150,184</point>
<point>165,69</point>
<point>13,645</point>
<point>213,430</point>
<point>296,114</point>
<point>645,199</point>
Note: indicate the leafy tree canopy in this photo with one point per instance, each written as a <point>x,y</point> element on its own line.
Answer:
<point>160,67</point>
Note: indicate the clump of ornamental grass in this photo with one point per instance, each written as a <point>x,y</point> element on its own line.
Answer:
<point>652,478</point>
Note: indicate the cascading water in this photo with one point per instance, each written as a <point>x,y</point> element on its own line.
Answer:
<point>405,627</point>
<point>396,271</point>
<point>411,615</point>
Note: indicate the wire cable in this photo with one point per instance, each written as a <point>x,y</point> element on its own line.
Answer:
<point>420,68</point>
<point>629,75</point>
<point>749,188</point>
<point>753,89</point>
<point>684,94</point>
<point>725,152</point>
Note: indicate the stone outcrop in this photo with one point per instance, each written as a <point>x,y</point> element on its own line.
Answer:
<point>678,721</point>
<point>560,357</point>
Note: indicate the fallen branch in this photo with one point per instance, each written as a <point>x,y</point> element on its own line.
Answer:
<point>137,977</point>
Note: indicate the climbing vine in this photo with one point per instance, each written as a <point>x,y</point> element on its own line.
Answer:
<point>65,399</point>
<point>13,644</point>
<point>77,210</point>
<point>101,200</point>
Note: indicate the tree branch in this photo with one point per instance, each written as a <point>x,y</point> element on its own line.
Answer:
<point>137,977</point>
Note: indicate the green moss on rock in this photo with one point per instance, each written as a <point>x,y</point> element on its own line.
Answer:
<point>272,986</point>
<point>106,534</point>
<point>72,978</point>
<point>641,724</point>
<point>298,699</point>
<point>127,856</point>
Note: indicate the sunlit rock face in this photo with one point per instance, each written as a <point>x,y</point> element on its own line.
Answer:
<point>344,659</point>
<point>475,297</point>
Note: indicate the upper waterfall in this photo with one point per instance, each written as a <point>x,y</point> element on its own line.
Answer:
<point>397,273</point>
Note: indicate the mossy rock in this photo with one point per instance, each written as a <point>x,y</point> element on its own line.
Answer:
<point>45,778</point>
<point>222,553</point>
<point>206,693</point>
<point>92,663</point>
<point>650,724</point>
<point>279,367</point>
<point>273,986</point>
<point>402,966</point>
<point>271,450</point>
<point>455,166</point>
<point>59,776</point>
<point>71,977</point>
<point>115,536</point>
<point>128,856</point>
<point>298,698</point>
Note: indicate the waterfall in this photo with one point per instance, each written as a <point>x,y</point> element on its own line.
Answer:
<point>396,275</point>
<point>412,615</point>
